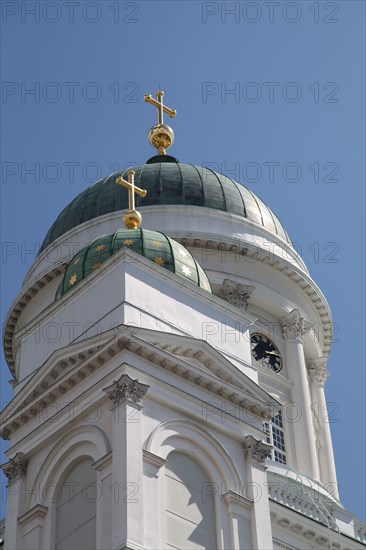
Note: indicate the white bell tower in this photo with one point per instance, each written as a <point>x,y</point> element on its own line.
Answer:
<point>169,379</point>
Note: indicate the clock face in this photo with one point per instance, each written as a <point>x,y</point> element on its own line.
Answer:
<point>265,352</point>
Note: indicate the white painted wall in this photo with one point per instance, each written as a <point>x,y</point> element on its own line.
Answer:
<point>76,509</point>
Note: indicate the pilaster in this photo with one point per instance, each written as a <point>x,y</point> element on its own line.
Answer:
<point>15,470</point>
<point>126,396</point>
<point>255,452</point>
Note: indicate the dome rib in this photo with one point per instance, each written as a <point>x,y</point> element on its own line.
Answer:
<point>160,185</point>
<point>238,186</point>
<point>201,181</point>
<point>273,219</point>
<point>222,187</point>
<point>102,187</point>
<point>167,183</point>
<point>183,185</point>
<point>256,202</point>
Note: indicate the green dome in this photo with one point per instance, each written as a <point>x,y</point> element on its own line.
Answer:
<point>153,245</point>
<point>167,182</point>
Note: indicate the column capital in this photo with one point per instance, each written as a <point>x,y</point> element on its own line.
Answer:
<point>294,326</point>
<point>236,294</point>
<point>15,468</point>
<point>255,449</point>
<point>126,389</point>
<point>317,370</point>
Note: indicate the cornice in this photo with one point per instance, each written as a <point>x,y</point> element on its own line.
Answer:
<point>179,282</point>
<point>310,528</point>
<point>228,244</point>
<point>64,370</point>
<point>70,367</point>
<point>304,507</point>
<point>220,369</point>
<point>300,278</point>
<point>19,304</point>
<point>156,211</point>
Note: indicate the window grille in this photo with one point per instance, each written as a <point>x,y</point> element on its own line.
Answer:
<point>275,436</point>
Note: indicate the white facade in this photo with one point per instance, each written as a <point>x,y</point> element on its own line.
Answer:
<point>140,417</point>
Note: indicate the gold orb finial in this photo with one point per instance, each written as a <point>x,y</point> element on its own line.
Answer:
<point>132,219</point>
<point>161,136</point>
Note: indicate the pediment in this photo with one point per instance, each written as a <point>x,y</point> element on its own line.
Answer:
<point>199,363</point>
<point>205,357</point>
<point>62,371</point>
<point>194,360</point>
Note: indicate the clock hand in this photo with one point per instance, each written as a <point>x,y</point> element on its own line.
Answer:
<point>272,353</point>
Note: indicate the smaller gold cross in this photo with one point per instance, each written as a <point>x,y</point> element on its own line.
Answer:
<point>132,218</point>
<point>158,102</point>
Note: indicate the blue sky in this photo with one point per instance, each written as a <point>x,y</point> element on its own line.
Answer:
<point>271,93</point>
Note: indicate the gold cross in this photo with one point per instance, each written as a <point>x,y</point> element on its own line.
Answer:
<point>132,218</point>
<point>158,102</point>
<point>132,189</point>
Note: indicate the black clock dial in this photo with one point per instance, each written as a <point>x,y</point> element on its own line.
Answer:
<point>265,352</point>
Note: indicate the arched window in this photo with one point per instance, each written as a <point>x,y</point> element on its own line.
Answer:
<point>76,509</point>
<point>189,505</point>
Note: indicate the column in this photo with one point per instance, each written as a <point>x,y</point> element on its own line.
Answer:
<point>294,327</point>
<point>255,452</point>
<point>15,471</point>
<point>127,478</point>
<point>317,376</point>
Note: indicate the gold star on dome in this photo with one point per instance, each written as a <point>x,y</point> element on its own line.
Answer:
<point>100,247</point>
<point>156,243</point>
<point>158,260</point>
<point>187,272</point>
<point>73,279</point>
<point>127,242</point>
<point>76,261</point>
<point>183,253</point>
<point>96,265</point>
